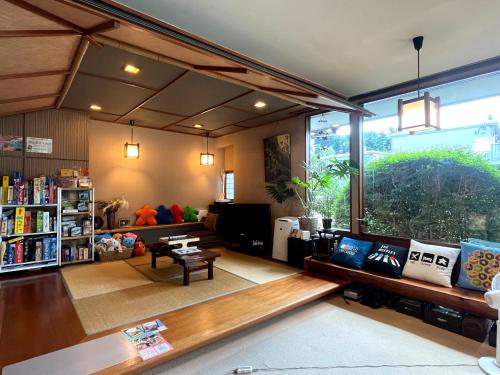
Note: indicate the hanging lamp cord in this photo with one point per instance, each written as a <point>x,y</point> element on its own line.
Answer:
<point>418,73</point>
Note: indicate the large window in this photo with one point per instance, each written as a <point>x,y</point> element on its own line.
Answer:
<point>436,184</point>
<point>329,139</point>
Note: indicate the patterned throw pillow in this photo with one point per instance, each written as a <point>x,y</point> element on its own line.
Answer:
<point>351,252</point>
<point>386,259</point>
<point>430,263</point>
<point>479,265</point>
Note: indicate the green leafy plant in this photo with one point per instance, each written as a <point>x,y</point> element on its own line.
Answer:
<point>280,192</point>
<point>319,180</point>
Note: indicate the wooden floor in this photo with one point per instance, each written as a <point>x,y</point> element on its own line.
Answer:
<point>31,326</point>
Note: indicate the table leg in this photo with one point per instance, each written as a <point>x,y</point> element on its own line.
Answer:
<point>186,275</point>
<point>210,270</point>
<point>153,259</point>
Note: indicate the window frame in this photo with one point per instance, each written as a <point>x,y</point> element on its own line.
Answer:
<point>225,184</point>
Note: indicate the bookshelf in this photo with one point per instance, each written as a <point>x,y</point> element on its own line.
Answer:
<point>28,224</point>
<point>75,219</point>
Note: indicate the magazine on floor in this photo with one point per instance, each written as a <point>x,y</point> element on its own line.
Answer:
<point>147,339</point>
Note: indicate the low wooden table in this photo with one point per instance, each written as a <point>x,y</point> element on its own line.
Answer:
<point>199,261</point>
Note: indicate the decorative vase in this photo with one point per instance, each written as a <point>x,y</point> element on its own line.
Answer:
<point>110,219</point>
<point>327,223</point>
<point>309,223</point>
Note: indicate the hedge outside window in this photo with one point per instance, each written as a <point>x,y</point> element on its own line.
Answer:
<point>437,185</point>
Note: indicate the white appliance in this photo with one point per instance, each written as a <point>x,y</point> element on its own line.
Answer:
<point>282,228</point>
<point>490,365</point>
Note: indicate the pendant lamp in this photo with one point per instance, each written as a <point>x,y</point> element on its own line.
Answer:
<point>207,158</point>
<point>422,112</point>
<point>131,149</point>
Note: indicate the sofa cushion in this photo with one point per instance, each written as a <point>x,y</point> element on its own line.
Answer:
<point>430,263</point>
<point>351,252</point>
<point>479,265</point>
<point>386,259</point>
<point>477,241</point>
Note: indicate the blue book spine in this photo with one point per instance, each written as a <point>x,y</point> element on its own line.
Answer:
<point>53,247</point>
<point>46,248</point>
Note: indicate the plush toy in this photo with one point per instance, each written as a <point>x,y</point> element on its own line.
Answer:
<point>177,213</point>
<point>100,248</point>
<point>112,245</point>
<point>139,247</point>
<point>100,237</point>
<point>190,214</point>
<point>117,236</point>
<point>146,215</point>
<point>164,215</point>
<point>131,235</point>
<point>128,242</point>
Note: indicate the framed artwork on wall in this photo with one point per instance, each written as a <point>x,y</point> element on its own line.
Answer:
<point>277,159</point>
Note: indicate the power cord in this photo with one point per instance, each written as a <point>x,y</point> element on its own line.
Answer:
<point>250,370</point>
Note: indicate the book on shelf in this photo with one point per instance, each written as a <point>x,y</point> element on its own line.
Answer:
<point>19,220</point>
<point>28,249</point>
<point>39,190</point>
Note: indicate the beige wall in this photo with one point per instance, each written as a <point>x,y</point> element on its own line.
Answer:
<point>248,161</point>
<point>168,170</point>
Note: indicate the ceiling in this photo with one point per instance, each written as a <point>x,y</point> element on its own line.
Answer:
<point>166,97</point>
<point>350,46</point>
<point>62,54</point>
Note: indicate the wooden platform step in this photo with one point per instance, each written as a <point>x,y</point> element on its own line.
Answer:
<point>196,326</point>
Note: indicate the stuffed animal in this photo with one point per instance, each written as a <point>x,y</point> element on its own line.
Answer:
<point>146,215</point>
<point>128,242</point>
<point>164,215</point>
<point>177,213</point>
<point>100,237</point>
<point>131,235</point>
<point>139,247</point>
<point>117,236</point>
<point>112,245</point>
<point>100,248</point>
<point>190,214</point>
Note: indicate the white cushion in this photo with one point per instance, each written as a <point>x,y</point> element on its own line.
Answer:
<point>430,263</point>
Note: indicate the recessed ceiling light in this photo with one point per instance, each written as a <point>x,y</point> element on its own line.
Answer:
<point>95,107</point>
<point>131,69</point>
<point>198,126</point>
<point>259,104</point>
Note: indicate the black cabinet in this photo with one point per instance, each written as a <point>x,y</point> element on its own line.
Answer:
<point>297,250</point>
<point>247,225</point>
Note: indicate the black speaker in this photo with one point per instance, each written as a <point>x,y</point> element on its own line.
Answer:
<point>410,307</point>
<point>444,317</point>
<point>475,328</point>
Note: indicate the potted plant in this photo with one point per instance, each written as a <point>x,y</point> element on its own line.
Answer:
<point>320,177</point>
<point>326,207</point>
<point>109,208</point>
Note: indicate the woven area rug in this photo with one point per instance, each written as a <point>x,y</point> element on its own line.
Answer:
<point>129,305</point>
<point>87,280</point>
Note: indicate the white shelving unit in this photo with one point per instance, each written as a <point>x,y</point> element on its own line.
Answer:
<point>52,209</point>
<point>71,244</point>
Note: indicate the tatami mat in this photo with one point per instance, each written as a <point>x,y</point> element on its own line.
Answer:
<point>89,280</point>
<point>252,268</point>
<point>129,305</point>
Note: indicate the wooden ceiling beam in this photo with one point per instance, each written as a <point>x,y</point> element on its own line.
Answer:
<point>47,15</point>
<point>36,33</point>
<point>5,114</point>
<point>103,27</point>
<point>34,74</point>
<point>289,92</point>
<point>228,69</point>
<point>26,98</point>
<point>148,99</point>
<point>77,60</point>
<point>211,108</point>
<point>113,79</point>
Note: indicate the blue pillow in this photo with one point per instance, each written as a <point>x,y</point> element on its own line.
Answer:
<point>351,252</point>
<point>477,241</point>
<point>479,264</point>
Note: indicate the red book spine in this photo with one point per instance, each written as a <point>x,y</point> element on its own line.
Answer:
<point>19,251</point>
<point>27,222</point>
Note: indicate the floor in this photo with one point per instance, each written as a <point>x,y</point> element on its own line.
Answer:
<point>331,337</point>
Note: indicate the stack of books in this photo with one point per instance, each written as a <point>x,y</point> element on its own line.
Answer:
<point>39,190</point>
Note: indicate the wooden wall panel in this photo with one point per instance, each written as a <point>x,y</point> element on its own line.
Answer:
<point>67,129</point>
<point>10,164</point>
<point>70,141</point>
<point>49,167</point>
